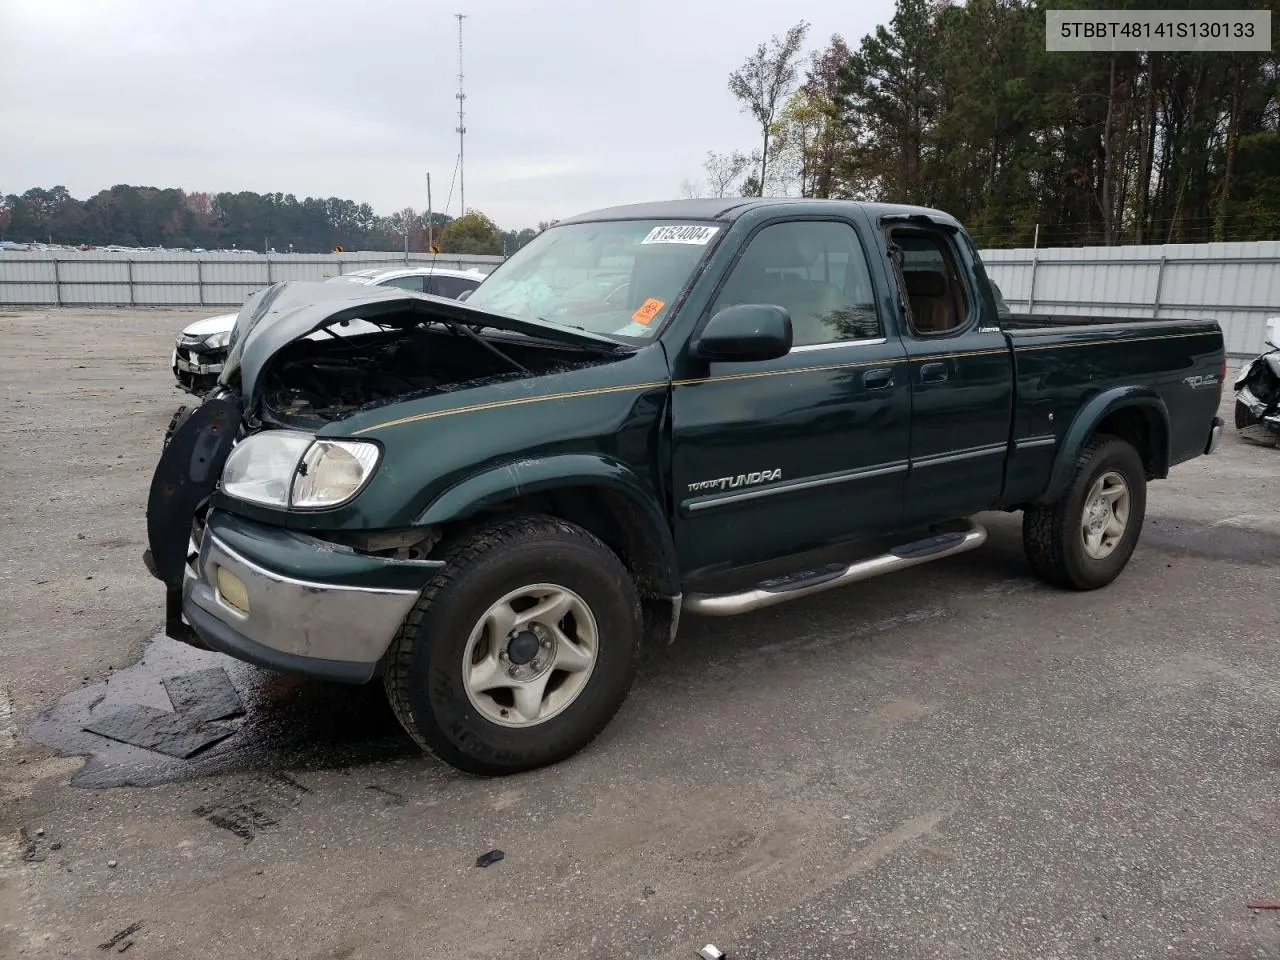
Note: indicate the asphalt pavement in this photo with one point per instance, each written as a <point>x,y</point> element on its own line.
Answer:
<point>956,761</point>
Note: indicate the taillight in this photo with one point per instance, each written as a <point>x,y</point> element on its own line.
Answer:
<point>1224,369</point>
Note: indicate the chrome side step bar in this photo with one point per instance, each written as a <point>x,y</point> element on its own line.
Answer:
<point>809,582</point>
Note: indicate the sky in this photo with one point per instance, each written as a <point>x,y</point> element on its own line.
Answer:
<point>571,104</point>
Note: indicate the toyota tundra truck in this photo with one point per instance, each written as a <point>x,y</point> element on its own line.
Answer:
<point>699,407</point>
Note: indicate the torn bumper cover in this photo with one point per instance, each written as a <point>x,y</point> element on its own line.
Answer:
<point>291,602</point>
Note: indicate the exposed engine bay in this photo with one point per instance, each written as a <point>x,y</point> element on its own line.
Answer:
<point>321,379</point>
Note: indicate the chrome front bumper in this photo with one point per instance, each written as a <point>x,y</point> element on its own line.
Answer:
<point>318,629</point>
<point>203,369</point>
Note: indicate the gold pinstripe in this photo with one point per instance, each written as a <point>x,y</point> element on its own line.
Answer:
<point>752,375</point>
<point>515,402</point>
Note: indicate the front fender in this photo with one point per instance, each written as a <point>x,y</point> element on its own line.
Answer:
<point>1086,423</point>
<point>529,476</point>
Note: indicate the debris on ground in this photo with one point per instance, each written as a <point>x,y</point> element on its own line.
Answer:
<point>493,856</point>
<point>122,935</point>
<point>198,699</point>
<point>711,952</point>
<point>1263,905</point>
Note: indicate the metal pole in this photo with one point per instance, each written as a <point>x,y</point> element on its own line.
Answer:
<point>1155,307</point>
<point>57,284</point>
<point>1035,260</point>
<point>269,280</point>
<point>462,126</point>
<point>430,236</point>
<point>200,280</point>
<point>128,264</point>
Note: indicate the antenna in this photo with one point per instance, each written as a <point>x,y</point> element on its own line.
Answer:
<point>462,126</point>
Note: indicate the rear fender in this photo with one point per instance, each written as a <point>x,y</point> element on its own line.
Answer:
<point>522,478</point>
<point>1086,424</point>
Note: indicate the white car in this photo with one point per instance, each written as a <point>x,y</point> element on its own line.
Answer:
<point>201,347</point>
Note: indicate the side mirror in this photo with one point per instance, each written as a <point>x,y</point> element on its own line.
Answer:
<point>745,333</point>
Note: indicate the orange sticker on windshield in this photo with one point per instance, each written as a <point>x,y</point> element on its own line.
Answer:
<point>648,310</point>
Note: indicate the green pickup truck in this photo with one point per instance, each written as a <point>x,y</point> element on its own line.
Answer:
<point>707,406</point>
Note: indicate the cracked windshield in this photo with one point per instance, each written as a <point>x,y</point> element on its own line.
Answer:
<point>617,278</point>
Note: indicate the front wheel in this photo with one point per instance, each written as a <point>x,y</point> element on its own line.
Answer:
<point>521,649</point>
<point>1085,539</point>
<point>1244,416</point>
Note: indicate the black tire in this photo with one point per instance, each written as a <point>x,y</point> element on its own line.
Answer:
<point>424,673</point>
<point>1051,533</point>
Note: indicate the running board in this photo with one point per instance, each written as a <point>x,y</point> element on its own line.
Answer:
<point>809,582</point>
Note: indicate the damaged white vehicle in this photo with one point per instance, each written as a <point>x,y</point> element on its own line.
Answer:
<point>1258,391</point>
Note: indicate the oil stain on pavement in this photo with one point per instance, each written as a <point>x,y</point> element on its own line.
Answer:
<point>180,713</point>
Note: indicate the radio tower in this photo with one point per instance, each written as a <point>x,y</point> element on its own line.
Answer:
<point>462,126</point>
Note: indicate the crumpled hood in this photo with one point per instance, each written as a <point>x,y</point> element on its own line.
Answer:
<point>273,318</point>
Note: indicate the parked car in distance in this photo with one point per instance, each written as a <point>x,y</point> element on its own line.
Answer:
<point>201,348</point>
<point>492,504</point>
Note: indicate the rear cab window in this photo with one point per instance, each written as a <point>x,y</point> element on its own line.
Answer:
<point>933,290</point>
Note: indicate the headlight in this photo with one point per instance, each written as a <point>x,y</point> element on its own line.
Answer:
<point>284,468</point>
<point>332,472</point>
<point>215,340</point>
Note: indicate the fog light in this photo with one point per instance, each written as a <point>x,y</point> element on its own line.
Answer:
<point>231,590</point>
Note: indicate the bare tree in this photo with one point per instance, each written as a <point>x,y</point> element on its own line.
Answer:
<point>765,79</point>
<point>723,171</point>
<point>689,190</point>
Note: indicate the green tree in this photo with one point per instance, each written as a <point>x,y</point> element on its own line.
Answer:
<point>472,233</point>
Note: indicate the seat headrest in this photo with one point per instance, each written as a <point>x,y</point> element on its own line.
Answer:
<point>925,283</point>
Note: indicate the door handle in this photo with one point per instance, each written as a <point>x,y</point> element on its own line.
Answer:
<point>880,379</point>
<point>933,372</point>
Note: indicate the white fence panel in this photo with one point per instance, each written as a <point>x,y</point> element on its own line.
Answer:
<point>1237,284</point>
<point>144,278</point>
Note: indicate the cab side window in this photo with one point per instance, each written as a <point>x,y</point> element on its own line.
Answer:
<point>932,289</point>
<point>452,287</point>
<point>411,282</point>
<point>817,271</point>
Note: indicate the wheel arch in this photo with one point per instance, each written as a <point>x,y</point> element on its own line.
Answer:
<point>1136,415</point>
<point>598,493</point>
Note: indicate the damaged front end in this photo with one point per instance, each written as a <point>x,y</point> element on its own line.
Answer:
<point>291,371</point>
<point>1258,399</point>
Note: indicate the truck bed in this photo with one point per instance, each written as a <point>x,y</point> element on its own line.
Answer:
<point>1064,365</point>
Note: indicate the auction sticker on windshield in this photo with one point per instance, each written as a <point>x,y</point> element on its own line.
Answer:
<point>686,234</point>
<point>648,310</point>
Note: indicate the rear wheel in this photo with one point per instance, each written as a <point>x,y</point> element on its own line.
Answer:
<point>521,649</point>
<point>1085,539</point>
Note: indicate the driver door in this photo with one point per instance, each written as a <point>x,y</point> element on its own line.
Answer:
<point>778,457</point>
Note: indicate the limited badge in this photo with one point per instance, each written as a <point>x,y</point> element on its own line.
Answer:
<point>647,311</point>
